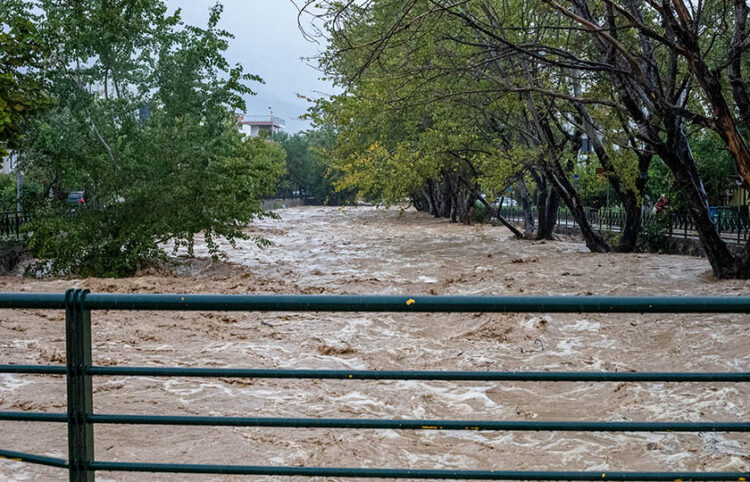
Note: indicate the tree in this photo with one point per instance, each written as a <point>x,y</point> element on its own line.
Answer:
<point>22,89</point>
<point>634,76</point>
<point>145,125</point>
<point>308,173</point>
<point>446,76</point>
<point>669,64</point>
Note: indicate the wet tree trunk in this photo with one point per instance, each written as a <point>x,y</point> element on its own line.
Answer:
<point>457,195</point>
<point>428,200</point>
<point>547,208</point>
<point>677,155</point>
<point>454,209</point>
<point>557,177</point>
<point>468,217</point>
<point>547,204</point>
<point>565,189</point>
<point>633,208</point>
<point>526,203</point>
<point>518,234</point>
<point>446,200</point>
<point>428,191</point>
<point>631,228</point>
<point>627,196</point>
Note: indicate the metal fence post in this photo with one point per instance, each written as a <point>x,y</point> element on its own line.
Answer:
<point>670,219</point>
<point>80,395</point>
<point>685,221</point>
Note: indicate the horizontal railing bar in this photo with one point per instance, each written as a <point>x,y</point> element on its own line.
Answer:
<point>423,375</point>
<point>410,473</point>
<point>421,424</point>
<point>390,374</point>
<point>32,300</point>
<point>33,417</point>
<point>386,303</point>
<point>34,459</point>
<point>445,304</point>
<point>34,369</point>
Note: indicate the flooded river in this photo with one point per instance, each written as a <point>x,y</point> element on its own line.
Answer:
<point>369,251</point>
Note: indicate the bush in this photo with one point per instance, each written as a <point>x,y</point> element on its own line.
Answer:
<point>481,215</point>
<point>654,234</point>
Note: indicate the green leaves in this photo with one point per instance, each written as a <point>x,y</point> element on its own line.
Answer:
<point>22,89</point>
<point>146,125</point>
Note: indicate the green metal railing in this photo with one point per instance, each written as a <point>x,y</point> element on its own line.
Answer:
<point>79,370</point>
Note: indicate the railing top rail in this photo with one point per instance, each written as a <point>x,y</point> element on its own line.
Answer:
<point>410,473</point>
<point>386,303</point>
<point>32,300</point>
<point>418,303</point>
<point>433,375</point>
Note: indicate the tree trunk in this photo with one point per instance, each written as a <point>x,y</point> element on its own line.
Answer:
<point>631,228</point>
<point>562,185</point>
<point>428,200</point>
<point>437,198</point>
<point>446,199</point>
<point>547,204</point>
<point>518,234</point>
<point>677,156</point>
<point>739,92</point>
<point>526,203</point>
<point>633,208</point>
<point>627,196</point>
<point>428,191</point>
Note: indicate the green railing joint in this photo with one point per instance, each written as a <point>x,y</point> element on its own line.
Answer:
<point>79,386</point>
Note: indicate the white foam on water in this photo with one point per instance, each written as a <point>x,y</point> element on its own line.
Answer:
<point>717,443</point>
<point>10,382</point>
<point>583,325</point>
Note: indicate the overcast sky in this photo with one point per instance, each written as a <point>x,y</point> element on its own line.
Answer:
<point>267,43</point>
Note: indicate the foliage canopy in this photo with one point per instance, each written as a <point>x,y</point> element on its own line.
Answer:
<point>145,124</point>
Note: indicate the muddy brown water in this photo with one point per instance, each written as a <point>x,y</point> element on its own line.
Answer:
<point>369,251</point>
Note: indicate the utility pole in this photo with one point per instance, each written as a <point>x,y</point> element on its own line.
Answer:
<point>19,181</point>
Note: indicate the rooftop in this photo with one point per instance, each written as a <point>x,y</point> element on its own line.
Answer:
<point>261,120</point>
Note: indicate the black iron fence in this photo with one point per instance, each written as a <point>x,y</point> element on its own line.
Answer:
<point>80,418</point>
<point>11,222</point>
<point>732,226</point>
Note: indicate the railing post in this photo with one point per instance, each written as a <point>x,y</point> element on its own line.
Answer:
<point>737,225</point>
<point>685,222</point>
<point>80,395</point>
<point>670,220</point>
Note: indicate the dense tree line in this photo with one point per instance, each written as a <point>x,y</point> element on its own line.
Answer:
<point>458,98</point>
<point>127,103</point>
<point>308,173</point>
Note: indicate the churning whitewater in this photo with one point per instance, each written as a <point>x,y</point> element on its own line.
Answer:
<point>326,250</point>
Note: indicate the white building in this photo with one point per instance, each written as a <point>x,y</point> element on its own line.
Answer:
<point>9,163</point>
<point>260,125</point>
